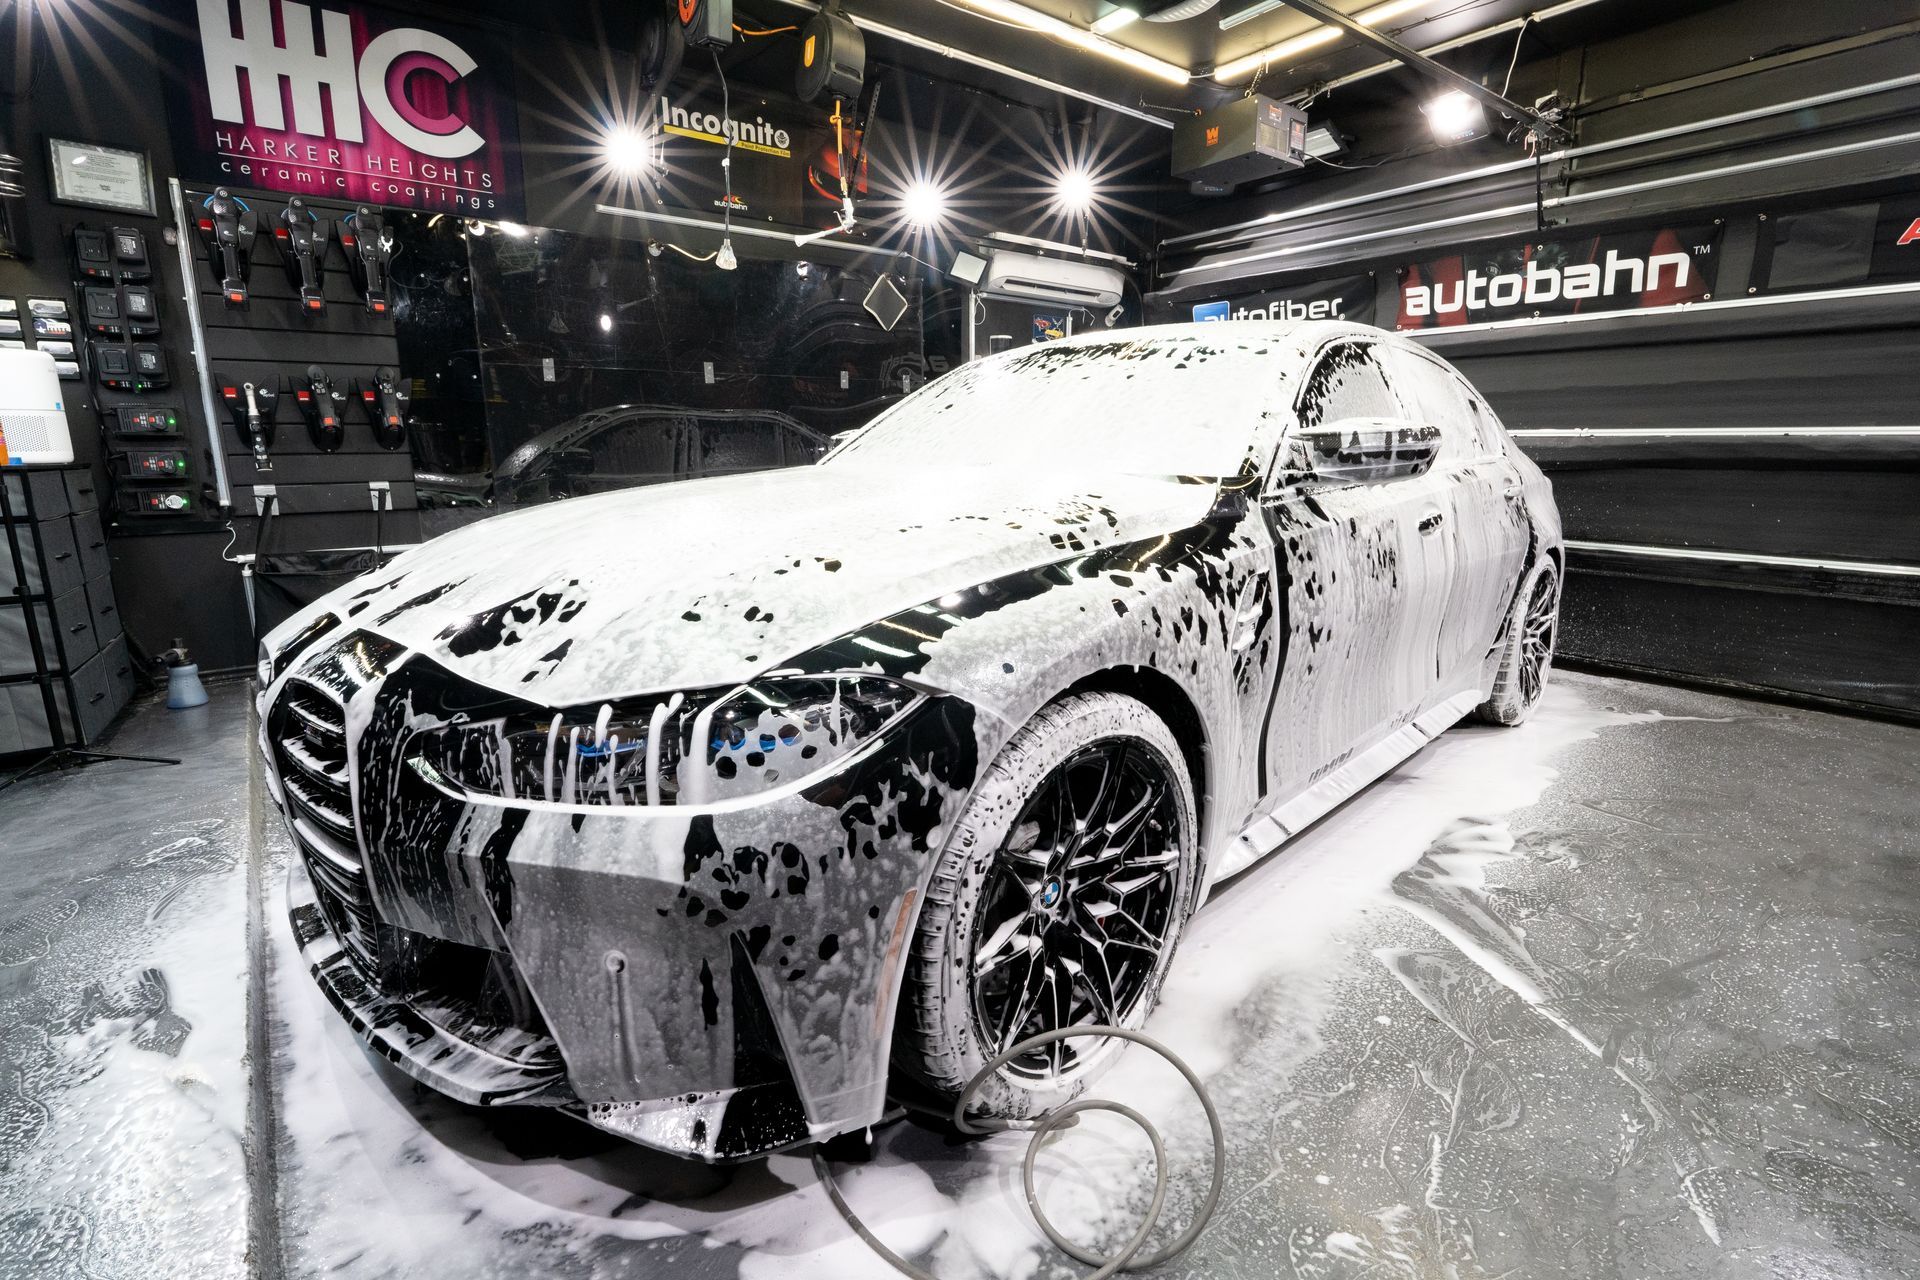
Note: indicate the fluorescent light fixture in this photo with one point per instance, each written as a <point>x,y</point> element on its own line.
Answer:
<point>1114,19</point>
<point>1322,142</point>
<point>1256,10</point>
<point>1309,40</point>
<point>1093,42</point>
<point>1456,117</point>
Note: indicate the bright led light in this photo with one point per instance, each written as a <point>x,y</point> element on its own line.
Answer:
<point>626,150</point>
<point>513,229</point>
<point>1112,22</point>
<point>1456,117</point>
<point>1074,191</point>
<point>923,204</point>
<point>606,323</point>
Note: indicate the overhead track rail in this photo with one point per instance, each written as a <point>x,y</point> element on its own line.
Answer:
<point>1225,236</point>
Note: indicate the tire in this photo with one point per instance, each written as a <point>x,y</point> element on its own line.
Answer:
<point>955,1019</point>
<point>1526,654</point>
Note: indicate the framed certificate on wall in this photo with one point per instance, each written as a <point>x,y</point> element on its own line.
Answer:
<point>86,173</point>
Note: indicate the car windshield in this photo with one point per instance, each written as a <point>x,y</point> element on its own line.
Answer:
<point>1148,406</point>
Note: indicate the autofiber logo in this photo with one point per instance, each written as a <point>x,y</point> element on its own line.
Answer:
<point>1616,276</point>
<point>1273,309</point>
<point>352,102</point>
<point>704,126</point>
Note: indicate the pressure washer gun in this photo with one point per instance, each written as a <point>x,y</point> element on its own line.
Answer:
<point>251,407</point>
<point>302,237</point>
<point>369,250</point>
<point>847,220</point>
<point>227,227</point>
<point>320,404</point>
<point>386,406</point>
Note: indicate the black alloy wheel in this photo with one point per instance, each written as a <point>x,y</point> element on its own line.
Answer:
<point>1536,636</point>
<point>1079,903</point>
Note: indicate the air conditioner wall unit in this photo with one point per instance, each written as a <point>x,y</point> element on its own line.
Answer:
<point>1026,277</point>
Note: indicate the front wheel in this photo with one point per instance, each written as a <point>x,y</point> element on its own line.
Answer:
<point>1526,655</point>
<point>1057,902</point>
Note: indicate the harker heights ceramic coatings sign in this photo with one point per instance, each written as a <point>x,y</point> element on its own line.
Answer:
<point>347,101</point>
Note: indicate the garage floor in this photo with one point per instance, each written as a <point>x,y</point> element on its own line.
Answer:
<point>1633,991</point>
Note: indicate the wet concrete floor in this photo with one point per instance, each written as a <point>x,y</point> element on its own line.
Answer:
<point>1633,991</point>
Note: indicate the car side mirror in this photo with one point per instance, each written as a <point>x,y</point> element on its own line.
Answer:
<point>1358,451</point>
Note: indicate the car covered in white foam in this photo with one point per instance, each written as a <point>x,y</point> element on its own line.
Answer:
<point>713,811</point>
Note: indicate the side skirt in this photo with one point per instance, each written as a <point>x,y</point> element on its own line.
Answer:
<point>1265,834</point>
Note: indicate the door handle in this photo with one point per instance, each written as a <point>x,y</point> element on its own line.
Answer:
<point>1430,522</point>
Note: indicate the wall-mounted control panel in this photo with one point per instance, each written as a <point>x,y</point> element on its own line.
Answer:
<point>119,317</point>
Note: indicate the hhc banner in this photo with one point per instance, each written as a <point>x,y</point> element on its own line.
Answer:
<point>346,101</point>
<point>1650,267</point>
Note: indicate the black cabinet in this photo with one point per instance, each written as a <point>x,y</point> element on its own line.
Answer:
<point>65,671</point>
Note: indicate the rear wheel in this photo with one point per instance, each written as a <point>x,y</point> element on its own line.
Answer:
<point>1057,902</point>
<point>1526,658</point>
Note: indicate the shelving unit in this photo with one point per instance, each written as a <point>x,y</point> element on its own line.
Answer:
<point>65,670</point>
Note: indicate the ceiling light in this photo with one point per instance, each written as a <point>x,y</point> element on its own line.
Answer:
<point>923,204</point>
<point>1074,192</point>
<point>1320,35</point>
<point>1048,25</point>
<point>1456,117</point>
<point>626,150</point>
<point>1322,142</point>
<point>606,323</point>
<point>1114,19</point>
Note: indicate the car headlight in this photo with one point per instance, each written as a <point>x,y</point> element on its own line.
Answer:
<point>275,661</point>
<point>683,749</point>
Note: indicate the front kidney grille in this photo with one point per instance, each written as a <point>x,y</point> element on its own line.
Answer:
<point>308,729</point>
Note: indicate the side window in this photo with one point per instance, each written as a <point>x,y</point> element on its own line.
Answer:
<point>1493,437</point>
<point>1435,395</point>
<point>1347,383</point>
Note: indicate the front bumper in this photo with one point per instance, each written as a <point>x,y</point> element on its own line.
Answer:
<point>715,981</point>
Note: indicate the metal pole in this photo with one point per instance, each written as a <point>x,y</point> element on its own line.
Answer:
<point>202,358</point>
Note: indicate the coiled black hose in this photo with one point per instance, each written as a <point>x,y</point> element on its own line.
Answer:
<point>1124,1260</point>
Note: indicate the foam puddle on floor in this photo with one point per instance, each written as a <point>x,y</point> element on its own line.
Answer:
<point>123,1071</point>
<point>377,1180</point>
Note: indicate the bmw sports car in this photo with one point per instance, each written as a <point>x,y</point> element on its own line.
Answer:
<point>716,812</point>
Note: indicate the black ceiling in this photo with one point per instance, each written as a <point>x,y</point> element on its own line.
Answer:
<point>1196,44</point>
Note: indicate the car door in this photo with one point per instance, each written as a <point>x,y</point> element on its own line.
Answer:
<point>1364,587</point>
<point>1476,484</point>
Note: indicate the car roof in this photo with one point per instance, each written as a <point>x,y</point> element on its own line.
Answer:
<point>1302,333</point>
